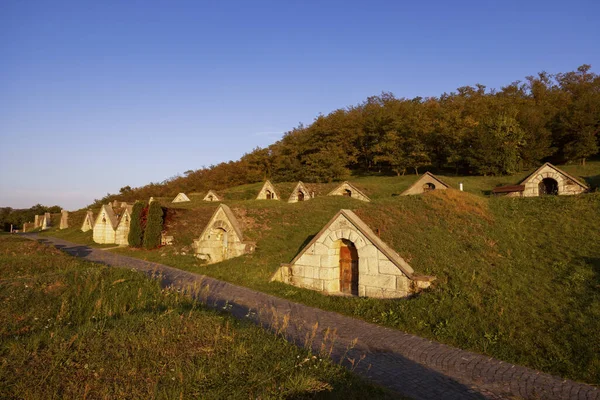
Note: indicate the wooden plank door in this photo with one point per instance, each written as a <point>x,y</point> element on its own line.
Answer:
<point>348,270</point>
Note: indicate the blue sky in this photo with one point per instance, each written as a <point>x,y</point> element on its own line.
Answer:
<point>96,95</point>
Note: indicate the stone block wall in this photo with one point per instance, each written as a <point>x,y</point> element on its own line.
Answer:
<point>104,232</point>
<point>122,232</point>
<point>318,268</point>
<point>341,191</point>
<point>220,241</point>
<point>565,185</point>
<point>64,219</point>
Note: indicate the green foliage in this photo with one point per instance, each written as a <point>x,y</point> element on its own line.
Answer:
<point>75,329</point>
<point>154,226</point>
<point>17,218</point>
<point>136,233</point>
<point>517,279</point>
<point>471,131</point>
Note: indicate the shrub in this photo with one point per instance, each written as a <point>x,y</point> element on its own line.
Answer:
<point>136,231</point>
<point>154,225</point>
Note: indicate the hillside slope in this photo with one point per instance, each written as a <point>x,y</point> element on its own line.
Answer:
<point>518,279</point>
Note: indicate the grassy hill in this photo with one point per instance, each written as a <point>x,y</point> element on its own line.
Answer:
<point>75,329</point>
<point>518,279</point>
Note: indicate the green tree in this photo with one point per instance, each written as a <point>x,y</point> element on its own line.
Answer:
<point>136,232</point>
<point>154,226</point>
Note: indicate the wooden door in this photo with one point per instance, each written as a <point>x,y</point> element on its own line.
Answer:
<point>348,270</point>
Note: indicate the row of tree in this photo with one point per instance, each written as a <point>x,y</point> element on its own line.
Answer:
<point>470,131</point>
<point>146,225</point>
<point>17,217</point>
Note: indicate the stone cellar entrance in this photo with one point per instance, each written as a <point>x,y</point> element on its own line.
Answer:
<point>300,196</point>
<point>548,186</point>
<point>348,268</point>
<point>428,187</point>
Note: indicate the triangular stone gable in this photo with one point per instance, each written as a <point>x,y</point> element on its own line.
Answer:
<point>222,238</point>
<point>180,198</point>
<point>567,184</point>
<point>349,221</point>
<point>300,188</point>
<point>223,217</point>
<point>88,221</point>
<point>348,189</point>
<point>211,196</point>
<point>105,225</point>
<point>122,230</point>
<point>46,221</point>
<point>426,179</point>
<point>265,190</point>
<point>64,219</point>
<point>378,270</point>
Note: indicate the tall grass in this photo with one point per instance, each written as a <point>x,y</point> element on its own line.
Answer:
<point>74,329</point>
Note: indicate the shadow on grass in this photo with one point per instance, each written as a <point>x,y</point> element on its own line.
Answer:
<point>593,182</point>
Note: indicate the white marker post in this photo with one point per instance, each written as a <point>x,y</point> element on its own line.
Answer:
<point>460,186</point>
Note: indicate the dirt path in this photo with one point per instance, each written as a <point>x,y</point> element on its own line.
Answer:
<point>413,366</point>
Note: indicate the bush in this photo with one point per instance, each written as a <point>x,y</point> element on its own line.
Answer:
<point>136,232</point>
<point>154,225</point>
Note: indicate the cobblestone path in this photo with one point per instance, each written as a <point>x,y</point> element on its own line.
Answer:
<point>408,364</point>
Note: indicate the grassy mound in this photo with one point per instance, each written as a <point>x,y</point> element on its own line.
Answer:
<point>518,279</point>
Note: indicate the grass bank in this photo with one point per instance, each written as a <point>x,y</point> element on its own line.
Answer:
<point>75,329</point>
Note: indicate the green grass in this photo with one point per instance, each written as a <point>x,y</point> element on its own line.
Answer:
<point>75,329</point>
<point>517,279</point>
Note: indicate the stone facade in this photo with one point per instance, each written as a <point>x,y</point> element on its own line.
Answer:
<point>122,231</point>
<point>565,183</point>
<point>46,221</point>
<point>211,196</point>
<point>28,226</point>
<point>37,221</point>
<point>426,183</point>
<point>64,219</point>
<point>222,238</point>
<point>349,190</point>
<point>88,222</point>
<point>300,193</point>
<point>181,198</point>
<point>380,272</point>
<point>105,225</point>
<point>267,192</point>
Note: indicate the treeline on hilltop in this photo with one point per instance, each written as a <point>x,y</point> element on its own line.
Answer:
<point>17,217</point>
<point>471,131</point>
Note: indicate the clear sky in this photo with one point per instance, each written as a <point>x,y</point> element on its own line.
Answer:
<point>97,95</point>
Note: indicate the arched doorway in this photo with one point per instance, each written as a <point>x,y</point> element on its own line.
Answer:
<point>269,194</point>
<point>221,235</point>
<point>548,186</point>
<point>428,187</point>
<point>347,193</point>
<point>300,196</point>
<point>210,198</point>
<point>348,268</point>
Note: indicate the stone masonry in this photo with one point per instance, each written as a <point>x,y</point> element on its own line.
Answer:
<point>64,219</point>
<point>427,182</point>
<point>349,190</point>
<point>567,184</point>
<point>300,193</point>
<point>88,221</point>
<point>222,238</point>
<point>382,273</point>
<point>267,192</point>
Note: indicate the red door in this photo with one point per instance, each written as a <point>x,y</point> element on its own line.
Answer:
<point>349,270</point>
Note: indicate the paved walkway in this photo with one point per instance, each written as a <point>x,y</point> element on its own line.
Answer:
<point>408,364</point>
